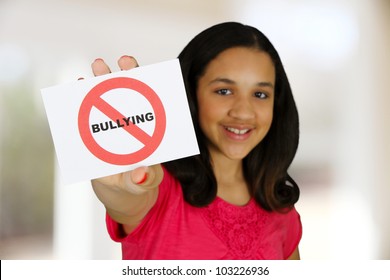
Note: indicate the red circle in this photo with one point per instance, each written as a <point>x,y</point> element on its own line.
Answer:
<point>93,98</point>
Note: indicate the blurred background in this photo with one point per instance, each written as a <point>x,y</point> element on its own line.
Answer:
<point>337,57</point>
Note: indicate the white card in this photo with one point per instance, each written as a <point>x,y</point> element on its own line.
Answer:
<point>119,121</point>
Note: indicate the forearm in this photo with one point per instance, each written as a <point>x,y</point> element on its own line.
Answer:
<point>126,201</point>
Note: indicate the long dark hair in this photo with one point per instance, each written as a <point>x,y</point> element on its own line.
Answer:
<point>265,167</point>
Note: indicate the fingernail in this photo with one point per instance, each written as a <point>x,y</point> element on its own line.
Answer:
<point>98,59</point>
<point>143,179</point>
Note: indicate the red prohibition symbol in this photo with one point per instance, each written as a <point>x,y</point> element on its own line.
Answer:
<point>93,99</point>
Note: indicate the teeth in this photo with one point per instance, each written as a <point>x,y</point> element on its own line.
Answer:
<point>237,131</point>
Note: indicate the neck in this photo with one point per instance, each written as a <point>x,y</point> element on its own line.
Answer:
<point>227,170</point>
<point>231,183</point>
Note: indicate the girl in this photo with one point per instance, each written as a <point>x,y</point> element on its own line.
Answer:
<point>235,200</point>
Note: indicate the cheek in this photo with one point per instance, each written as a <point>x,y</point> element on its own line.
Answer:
<point>202,115</point>
<point>269,117</point>
<point>208,111</point>
<point>266,117</point>
<point>207,115</point>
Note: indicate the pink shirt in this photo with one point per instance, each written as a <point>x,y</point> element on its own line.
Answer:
<point>173,229</point>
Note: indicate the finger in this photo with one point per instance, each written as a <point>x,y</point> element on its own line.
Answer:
<point>127,62</point>
<point>99,67</point>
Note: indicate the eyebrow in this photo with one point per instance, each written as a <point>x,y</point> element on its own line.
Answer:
<point>231,82</point>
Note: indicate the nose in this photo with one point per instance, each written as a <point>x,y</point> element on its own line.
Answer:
<point>242,108</point>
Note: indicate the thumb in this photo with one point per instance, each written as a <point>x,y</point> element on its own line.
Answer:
<point>139,175</point>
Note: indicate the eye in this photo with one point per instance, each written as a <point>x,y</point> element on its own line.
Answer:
<point>224,91</point>
<point>261,95</point>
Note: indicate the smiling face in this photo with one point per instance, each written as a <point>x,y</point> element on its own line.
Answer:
<point>235,100</point>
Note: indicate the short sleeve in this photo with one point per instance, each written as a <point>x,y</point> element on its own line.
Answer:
<point>293,233</point>
<point>114,229</point>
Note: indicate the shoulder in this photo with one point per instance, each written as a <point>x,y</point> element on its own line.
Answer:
<point>169,184</point>
<point>282,232</point>
<point>289,220</point>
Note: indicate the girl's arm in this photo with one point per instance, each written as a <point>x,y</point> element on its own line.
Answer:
<point>295,255</point>
<point>127,196</point>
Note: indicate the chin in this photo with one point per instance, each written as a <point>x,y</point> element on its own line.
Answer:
<point>236,156</point>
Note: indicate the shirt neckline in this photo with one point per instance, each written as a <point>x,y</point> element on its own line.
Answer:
<point>246,205</point>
